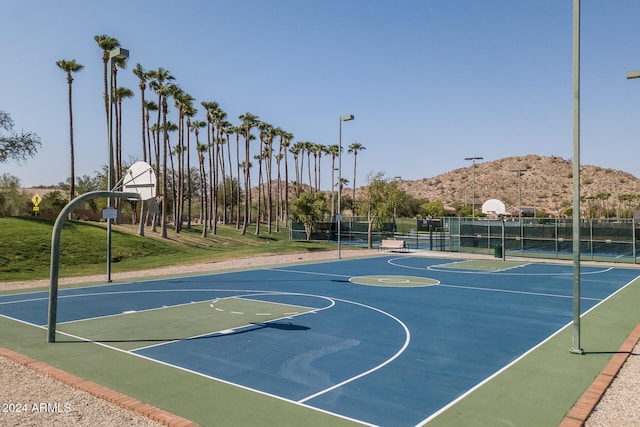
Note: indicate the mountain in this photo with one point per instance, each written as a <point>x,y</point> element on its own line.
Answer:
<point>544,183</point>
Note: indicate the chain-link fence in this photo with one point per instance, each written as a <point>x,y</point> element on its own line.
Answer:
<point>600,240</point>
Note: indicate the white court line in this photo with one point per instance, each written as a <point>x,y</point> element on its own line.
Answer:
<point>375,368</point>
<point>200,374</point>
<point>522,356</point>
<point>509,291</point>
<point>497,272</point>
<point>290,315</point>
<point>315,273</point>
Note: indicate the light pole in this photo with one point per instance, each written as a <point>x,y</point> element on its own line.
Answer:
<point>473,184</point>
<point>333,191</point>
<point>634,75</point>
<point>119,54</point>
<point>630,75</point>
<point>576,347</point>
<point>615,186</point>
<point>344,118</point>
<point>395,179</point>
<point>535,201</point>
<point>519,172</point>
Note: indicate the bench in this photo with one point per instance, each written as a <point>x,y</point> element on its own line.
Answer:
<point>393,245</point>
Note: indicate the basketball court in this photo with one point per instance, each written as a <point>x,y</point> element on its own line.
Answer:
<point>388,340</point>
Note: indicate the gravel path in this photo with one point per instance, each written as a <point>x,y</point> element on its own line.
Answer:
<point>620,405</point>
<point>29,398</point>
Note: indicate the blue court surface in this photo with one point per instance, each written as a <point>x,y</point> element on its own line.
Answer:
<point>388,340</point>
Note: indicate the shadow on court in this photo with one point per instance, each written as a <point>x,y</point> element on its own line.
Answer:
<point>281,326</point>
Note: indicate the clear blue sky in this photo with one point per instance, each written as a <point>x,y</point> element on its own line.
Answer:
<point>430,82</point>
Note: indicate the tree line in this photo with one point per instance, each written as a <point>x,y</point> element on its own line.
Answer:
<point>220,184</point>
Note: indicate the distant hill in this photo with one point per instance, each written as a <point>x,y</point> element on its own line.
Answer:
<point>546,183</point>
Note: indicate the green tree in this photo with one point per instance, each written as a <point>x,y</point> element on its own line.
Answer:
<point>16,146</point>
<point>71,66</point>
<point>463,210</point>
<point>308,209</point>
<point>12,200</point>
<point>434,208</point>
<point>382,197</point>
<point>86,184</point>
<point>52,203</point>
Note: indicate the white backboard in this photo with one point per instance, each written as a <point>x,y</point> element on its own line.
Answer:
<point>141,179</point>
<point>493,205</point>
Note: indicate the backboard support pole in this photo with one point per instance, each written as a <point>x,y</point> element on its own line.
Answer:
<point>55,251</point>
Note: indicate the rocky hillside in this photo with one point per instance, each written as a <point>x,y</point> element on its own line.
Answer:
<point>545,183</point>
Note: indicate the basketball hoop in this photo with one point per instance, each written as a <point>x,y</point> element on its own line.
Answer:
<point>141,179</point>
<point>494,206</point>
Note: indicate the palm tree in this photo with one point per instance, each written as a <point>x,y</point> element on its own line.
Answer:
<point>212,109</point>
<point>189,111</point>
<point>288,137</point>
<point>172,127</point>
<point>195,127</point>
<point>182,101</point>
<point>238,130</point>
<point>202,148</point>
<point>117,154</point>
<point>334,151</point>
<point>355,148</point>
<point>69,67</point>
<point>226,130</point>
<point>279,203</point>
<point>142,76</point>
<point>267,134</point>
<point>296,149</point>
<point>164,92</point>
<point>219,117</point>
<point>159,84</point>
<point>150,106</point>
<point>120,94</point>
<point>308,147</point>
<point>248,121</point>
<point>259,157</point>
<point>279,156</point>
<point>317,150</point>
<point>107,44</point>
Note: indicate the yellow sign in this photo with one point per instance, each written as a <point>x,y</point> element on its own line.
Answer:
<point>36,208</point>
<point>36,199</point>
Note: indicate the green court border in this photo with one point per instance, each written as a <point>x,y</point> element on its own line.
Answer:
<point>537,390</point>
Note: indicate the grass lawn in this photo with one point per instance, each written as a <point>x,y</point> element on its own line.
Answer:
<point>25,247</point>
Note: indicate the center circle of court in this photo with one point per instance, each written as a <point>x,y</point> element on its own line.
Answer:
<point>394,281</point>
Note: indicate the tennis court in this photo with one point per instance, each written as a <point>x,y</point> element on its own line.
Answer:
<point>387,340</point>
